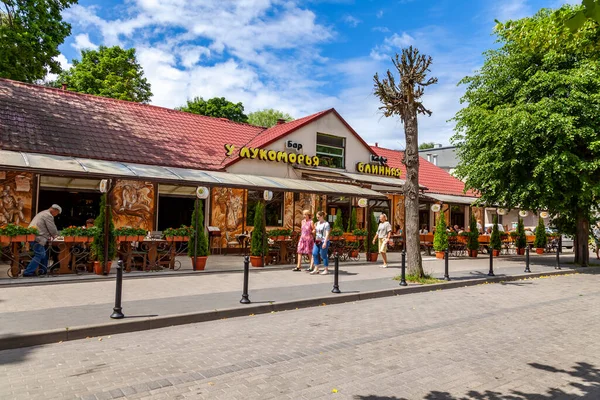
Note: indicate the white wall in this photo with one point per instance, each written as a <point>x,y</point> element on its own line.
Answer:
<point>307,136</point>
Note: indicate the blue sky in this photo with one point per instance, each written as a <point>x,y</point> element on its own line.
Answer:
<point>299,56</point>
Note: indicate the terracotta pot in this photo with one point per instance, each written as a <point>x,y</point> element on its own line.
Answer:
<point>4,240</point>
<point>69,239</point>
<point>351,238</point>
<point>98,268</point>
<point>185,238</point>
<point>520,251</point>
<point>373,257</point>
<point>19,238</point>
<point>495,253</point>
<point>121,238</point>
<point>539,251</point>
<point>354,253</point>
<point>439,254</point>
<point>256,261</point>
<point>200,262</point>
<point>473,253</point>
<point>140,238</point>
<point>131,238</point>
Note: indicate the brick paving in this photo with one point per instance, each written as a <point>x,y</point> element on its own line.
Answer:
<point>66,305</point>
<point>530,339</point>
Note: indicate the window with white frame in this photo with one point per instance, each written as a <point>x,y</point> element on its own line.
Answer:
<point>331,151</point>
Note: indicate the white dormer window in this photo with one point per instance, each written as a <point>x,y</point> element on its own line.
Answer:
<point>435,159</point>
<point>428,157</point>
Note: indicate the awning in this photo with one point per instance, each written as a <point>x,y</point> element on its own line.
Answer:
<point>85,167</point>
<point>451,199</point>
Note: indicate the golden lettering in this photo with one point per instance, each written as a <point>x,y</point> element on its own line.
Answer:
<point>292,158</point>
<point>316,161</point>
<point>282,156</point>
<point>300,158</point>
<point>254,153</point>
<point>262,154</point>
<point>244,152</point>
<point>360,167</point>
<point>229,149</point>
<point>272,155</point>
<point>308,161</point>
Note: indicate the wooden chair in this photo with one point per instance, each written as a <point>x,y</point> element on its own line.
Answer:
<point>231,241</point>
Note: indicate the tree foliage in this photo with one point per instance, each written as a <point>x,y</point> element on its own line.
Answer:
<point>258,244</point>
<point>521,240</point>
<point>352,221</point>
<point>99,243</point>
<point>339,222</point>
<point>217,107</point>
<point>541,239</point>
<point>426,145</point>
<point>473,241</point>
<point>404,100</point>
<point>440,238</point>
<point>588,12</point>
<point>109,72</point>
<point>528,136</point>
<point>268,117</point>
<point>30,33</point>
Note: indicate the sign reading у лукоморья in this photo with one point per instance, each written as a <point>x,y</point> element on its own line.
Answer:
<point>293,158</point>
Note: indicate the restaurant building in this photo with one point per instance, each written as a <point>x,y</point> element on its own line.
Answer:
<point>56,146</point>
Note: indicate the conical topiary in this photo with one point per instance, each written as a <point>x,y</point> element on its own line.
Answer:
<point>541,239</point>
<point>202,243</point>
<point>440,238</point>
<point>352,221</point>
<point>495,242</point>
<point>98,243</point>
<point>473,243</point>
<point>259,246</point>
<point>521,240</point>
<point>338,223</point>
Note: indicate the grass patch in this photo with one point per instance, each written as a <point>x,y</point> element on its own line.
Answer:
<point>427,279</point>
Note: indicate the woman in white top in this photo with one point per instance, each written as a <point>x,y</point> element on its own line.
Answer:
<point>321,246</point>
<point>384,231</point>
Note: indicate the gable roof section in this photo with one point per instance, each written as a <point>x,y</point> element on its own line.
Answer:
<point>434,178</point>
<point>277,132</point>
<point>38,119</point>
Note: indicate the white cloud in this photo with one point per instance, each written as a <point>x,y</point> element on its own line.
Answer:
<point>64,64</point>
<point>352,21</point>
<point>380,29</point>
<point>391,45</point>
<point>510,9</point>
<point>379,14</point>
<point>82,41</point>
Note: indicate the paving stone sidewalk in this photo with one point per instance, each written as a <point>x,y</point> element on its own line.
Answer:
<point>534,339</point>
<point>39,308</point>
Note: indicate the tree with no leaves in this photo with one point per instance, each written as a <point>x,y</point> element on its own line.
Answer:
<point>404,99</point>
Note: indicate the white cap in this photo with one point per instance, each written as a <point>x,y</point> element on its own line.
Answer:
<point>57,207</point>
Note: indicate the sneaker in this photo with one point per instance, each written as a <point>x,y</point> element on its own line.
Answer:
<point>324,272</point>
<point>314,271</point>
<point>384,266</point>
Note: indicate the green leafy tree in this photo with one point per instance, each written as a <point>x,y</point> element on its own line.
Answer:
<point>268,117</point>
<point>217,107</point>
<point>541,239</point>
<point>495,242</point>
<point>259,245</point>
<point>202,243</point>
<point>588,12</point>
<point>30,33</point>
<point>352,221</point>
<point>426,145</point>
<point>99,243</point>
<point>473,242</point>
<point>440,238</point>
<point>528,137</point>
<point>521,240</point>
<point>109,72</point>
<point>404,99</point>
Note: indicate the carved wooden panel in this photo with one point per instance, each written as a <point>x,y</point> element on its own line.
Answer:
<point>16,194</point>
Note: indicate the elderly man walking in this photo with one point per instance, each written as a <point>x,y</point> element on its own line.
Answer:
<point>44,222</point>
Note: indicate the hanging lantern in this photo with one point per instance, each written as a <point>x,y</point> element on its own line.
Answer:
<point>502,211</point>
<point>363,202</point>
<point>523,213</point>
<point>268,195</point>
<point>544,214</point>
<point>436,207</point>
<point>202,192</point>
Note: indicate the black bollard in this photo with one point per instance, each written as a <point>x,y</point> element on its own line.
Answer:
<point>558,254</point>
<point>118,310</point>
<point>491,271</point>
<point>446,275</point>
<point>245,299</point>
<point>527,259</point>
<point>336,273</point>
<point>403,274</point>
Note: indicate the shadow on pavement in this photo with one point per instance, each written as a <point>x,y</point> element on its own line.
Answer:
<point>14,356</point>
<point>587,374</point>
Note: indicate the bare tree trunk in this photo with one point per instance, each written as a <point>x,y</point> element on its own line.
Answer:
<point>411,194</point>
<point>582,253</point>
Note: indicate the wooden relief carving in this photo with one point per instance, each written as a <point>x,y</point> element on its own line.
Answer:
<point>227,211</point>
<point>16,193</point>
<point>132,204</point>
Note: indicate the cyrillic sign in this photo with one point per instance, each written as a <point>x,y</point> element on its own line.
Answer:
<point>372,169</point>
<point>272,155</point>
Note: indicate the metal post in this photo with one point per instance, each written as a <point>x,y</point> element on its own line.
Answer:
<point>558,254</point>
<point>527,259</point>
<point>403,274</point>
<point>117,310</point>
<point>368,224</point>
<point>336,272</point>
<point>245,299</point>
<point>106,235</point>
<point>491,272</point>
<point>446,274</point>
<point>196,234</point>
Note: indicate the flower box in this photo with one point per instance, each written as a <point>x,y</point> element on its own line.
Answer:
<point>30,238</point>
<point>19,238</point>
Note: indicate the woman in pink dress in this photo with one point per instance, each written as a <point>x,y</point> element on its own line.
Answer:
<point>305,244</point>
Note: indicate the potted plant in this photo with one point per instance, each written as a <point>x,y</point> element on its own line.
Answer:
<point>463,237</point>
<point>473,242</point>
<point>373,247</point>
<point>71,233</point>
<point>540,237</point>
<point>285,233</point>
<point>495,242</point>
<point>440,238</point>
<point>352,221</point>
<point>336,233</point>
<point>521,239</point>
<point>338,223</point>
<point>181,234</point>
<point>98,243</point>
<point>202,241</point>
<point>258,246</point>
<point>128,234</point>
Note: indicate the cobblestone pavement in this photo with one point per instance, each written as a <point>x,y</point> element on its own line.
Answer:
<point>37,308</point>
<point>532,339</point>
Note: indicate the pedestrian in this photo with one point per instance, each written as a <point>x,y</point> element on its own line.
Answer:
<point>44,222</point>
<point>306,242</point>
<point>384,230</point>
<point>596,236</point>
<point>321,246</point>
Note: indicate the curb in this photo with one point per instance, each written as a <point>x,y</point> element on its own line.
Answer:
<point>82,332</point>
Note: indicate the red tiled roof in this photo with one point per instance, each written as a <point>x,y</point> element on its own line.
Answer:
<point>278,131</point>
<point>431,176</point>
<point>38,119</point>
